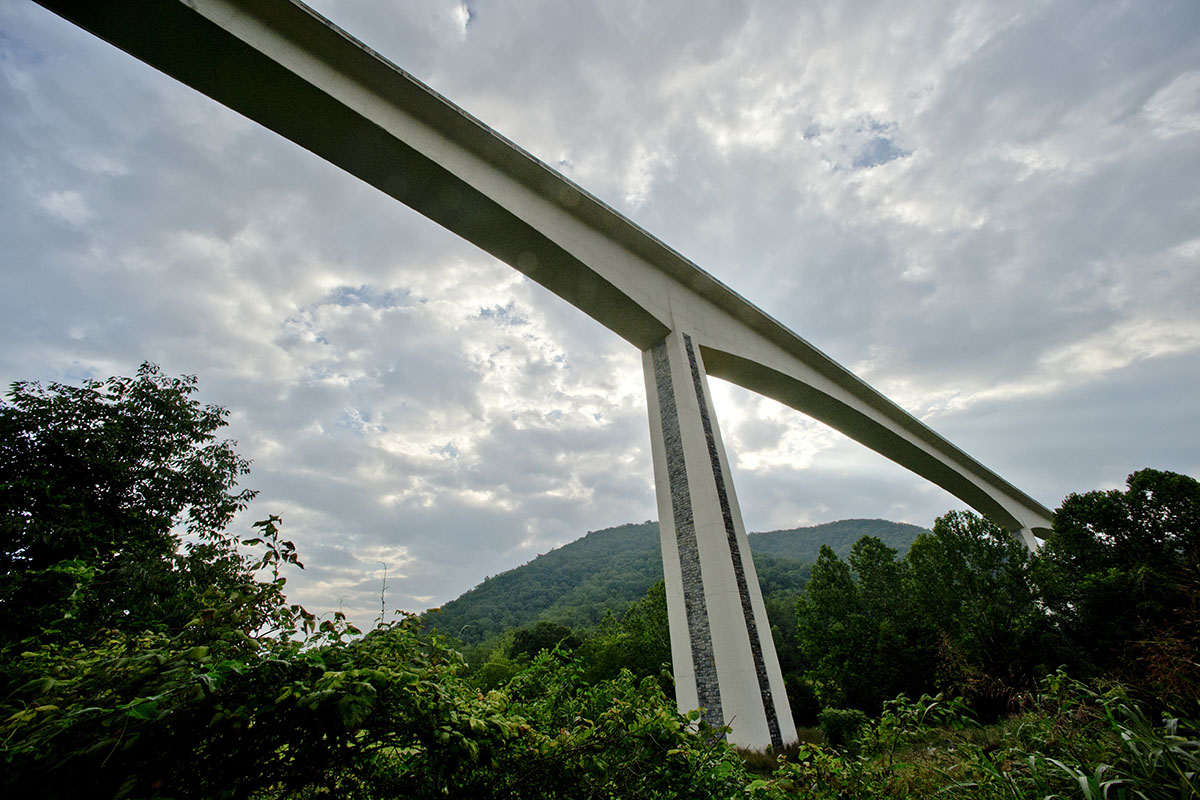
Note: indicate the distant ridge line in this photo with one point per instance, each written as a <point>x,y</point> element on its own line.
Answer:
<point>606,570</point>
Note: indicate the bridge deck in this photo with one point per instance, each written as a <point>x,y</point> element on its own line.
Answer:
<point>284,66</point>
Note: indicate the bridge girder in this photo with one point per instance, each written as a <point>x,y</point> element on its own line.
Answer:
<point>282,65</point>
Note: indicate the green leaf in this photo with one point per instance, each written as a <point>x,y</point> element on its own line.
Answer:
<point>144,709</point>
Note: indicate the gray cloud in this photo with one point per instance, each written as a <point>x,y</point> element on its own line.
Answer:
<point>988,211</point>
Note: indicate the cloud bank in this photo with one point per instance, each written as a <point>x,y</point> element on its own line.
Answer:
<point>987,211</point>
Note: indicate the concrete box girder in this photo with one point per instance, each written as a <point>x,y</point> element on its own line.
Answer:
<point>284,66</point>
<point>281,64</point>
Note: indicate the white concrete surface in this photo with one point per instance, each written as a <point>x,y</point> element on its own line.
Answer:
<point>281,64</point>
<point>286,67</point>
<point>745,703</point>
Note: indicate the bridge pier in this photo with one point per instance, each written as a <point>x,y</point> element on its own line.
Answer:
<point>724,656</point>
<point>281,64</point>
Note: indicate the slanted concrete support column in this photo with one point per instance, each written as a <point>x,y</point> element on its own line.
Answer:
<point>284,66</point>
<point>721,646</point>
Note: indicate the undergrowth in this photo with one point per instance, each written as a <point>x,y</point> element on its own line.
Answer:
<point>1068,740</point>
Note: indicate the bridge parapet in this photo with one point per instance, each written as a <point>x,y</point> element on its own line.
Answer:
<point>284,66</point>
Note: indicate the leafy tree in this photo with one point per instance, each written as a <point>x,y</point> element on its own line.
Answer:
<point>528,642</point>
<point>640,642</point>
<point>834,636</point>
<point>860,635</point>
<point>1119,572</point>
<point>95,482</point>
<point>972,580</point>
<point>905,653</point>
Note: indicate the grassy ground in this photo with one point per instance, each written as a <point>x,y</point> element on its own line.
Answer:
<point>1069,740</point>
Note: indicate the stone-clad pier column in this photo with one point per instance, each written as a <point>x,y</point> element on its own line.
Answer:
<point>291,70</point>
<point>721,646</point>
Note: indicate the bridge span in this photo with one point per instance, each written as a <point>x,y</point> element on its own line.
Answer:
<point>286,67</point>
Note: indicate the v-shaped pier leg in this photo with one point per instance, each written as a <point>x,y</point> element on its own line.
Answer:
<point>721,646</point>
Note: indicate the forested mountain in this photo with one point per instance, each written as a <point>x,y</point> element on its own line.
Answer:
<point>607,570</point>
<point>804,544</point>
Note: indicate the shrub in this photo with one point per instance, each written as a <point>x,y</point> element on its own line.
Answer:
<point>841,725</point>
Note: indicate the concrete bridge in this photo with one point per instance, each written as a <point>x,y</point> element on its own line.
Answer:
<point>284,66</point>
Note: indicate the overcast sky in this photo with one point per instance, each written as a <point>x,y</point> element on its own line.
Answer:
<point>990,211</point>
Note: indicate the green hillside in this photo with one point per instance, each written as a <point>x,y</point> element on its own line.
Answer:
<point>804,543</point>
<point>609,569</point>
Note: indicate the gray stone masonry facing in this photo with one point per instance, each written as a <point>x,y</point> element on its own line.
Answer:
<point>735,553</point>
<point>707,687</point>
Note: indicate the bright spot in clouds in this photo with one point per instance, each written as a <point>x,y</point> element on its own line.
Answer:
<point>992,213</point>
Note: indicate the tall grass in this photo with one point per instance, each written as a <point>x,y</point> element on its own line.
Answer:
<point>1068,740</point>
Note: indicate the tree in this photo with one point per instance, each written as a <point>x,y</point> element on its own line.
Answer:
<point>859,634</point>
<point>96,482</point>
<point>640,642</point>
<point>904,642</point>
<point>1119,569</point>
<point>972,580</point>
<point>834,634</point>
<point>545,635</point>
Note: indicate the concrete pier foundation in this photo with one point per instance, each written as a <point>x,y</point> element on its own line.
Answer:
<point>721,646</point>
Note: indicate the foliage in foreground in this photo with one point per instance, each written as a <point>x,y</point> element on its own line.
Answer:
<point>389,714</point>
<point>1070,740</point>
<point>133,665</point>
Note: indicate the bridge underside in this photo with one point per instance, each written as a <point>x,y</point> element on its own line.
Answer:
<point>284,66</point>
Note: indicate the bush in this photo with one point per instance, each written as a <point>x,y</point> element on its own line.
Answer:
<point>841,725</point>
<point>802,698</point>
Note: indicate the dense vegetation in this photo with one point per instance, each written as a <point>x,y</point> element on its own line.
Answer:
<point>607,570</point>
<point>147,652</point>
<point>1114,592</point>
<point>605,588</point>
